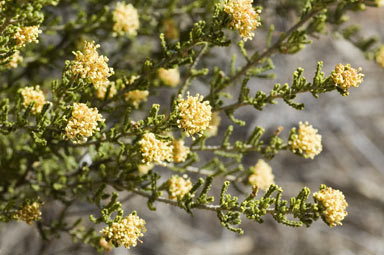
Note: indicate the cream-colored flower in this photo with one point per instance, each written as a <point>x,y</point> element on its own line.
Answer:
<point>380,56</point>
<point>100,92</point>
<point>380,3</point>
<point>334,202</point>
<point>126,232</point>
<point>194,114</point>
<point>15,59</point>
<point>245,18</point>
<point>154,150</point>
<point>144,168</point>
<point>178,186</point>
<point>307,142</point>
<point>29,213</point>
<point>83,123</point>
<point>180,151</point>
<point>135,97</point>
<point>262,175</point>
<point>33,95</point>
<point>346,76</point>
<point>27,35</point>
<point>170,77</point>
<point>126,19</point>
<point>213,125</point>
<point>89,65</point>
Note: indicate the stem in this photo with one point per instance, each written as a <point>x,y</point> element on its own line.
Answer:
<point>188,80</point>
<point>213,208</point>
<point>256,59</point>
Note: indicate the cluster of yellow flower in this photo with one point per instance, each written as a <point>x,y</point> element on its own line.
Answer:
<point>245,18</point>
<point>88,64</point>
<point>170,77</point>
<point>83,123</point>
<point>178,186</point>
<point>135,97</point>
<point>334,202</point>
<point>180,151</point>
<point>15,59</point>
<point>155,150</point>
<point>262,175</point>
<point>33,95</point>
<point>144,168</point>
<point>126,232</point>
<point>346,76</point>
<point>100,92</point>
<point>23,36</point>
<point>213,125</point>
<point>380,3</point>
<point>307,141</point>
<point>194,113</point>
<point>126,19</point>
<point>27,35</point>
<point>29,213</point>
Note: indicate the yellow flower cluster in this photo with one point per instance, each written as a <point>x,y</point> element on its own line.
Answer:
<point>126,19</point>
<point>33,95</point>
<point>213,125</point>
<point>380,56</point>
<point>29,213</point>
<point>82,123</point>
<point>135,97</point>
<point>15,59</point>
<point>170,77</point>
<point>346,76</point>
<point>262,175</point>
<point>126,232</point>
<point>245,18</point>
<point>334,202</point>
<point>155,150</point>
<point>307,141</point>
<point>27,35</point>
<point>100,92</point>
<point>180,151</point>
<point>194,114</point>
<point>380,3</point>
<point>178,186</point>
<point>88,64</point>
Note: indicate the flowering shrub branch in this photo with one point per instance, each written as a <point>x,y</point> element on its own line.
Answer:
<point>72,89</point>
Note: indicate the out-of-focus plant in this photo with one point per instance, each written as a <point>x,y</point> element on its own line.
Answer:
<point>76,73</point>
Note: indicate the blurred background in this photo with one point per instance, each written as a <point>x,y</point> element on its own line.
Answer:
<point>352,160</point>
